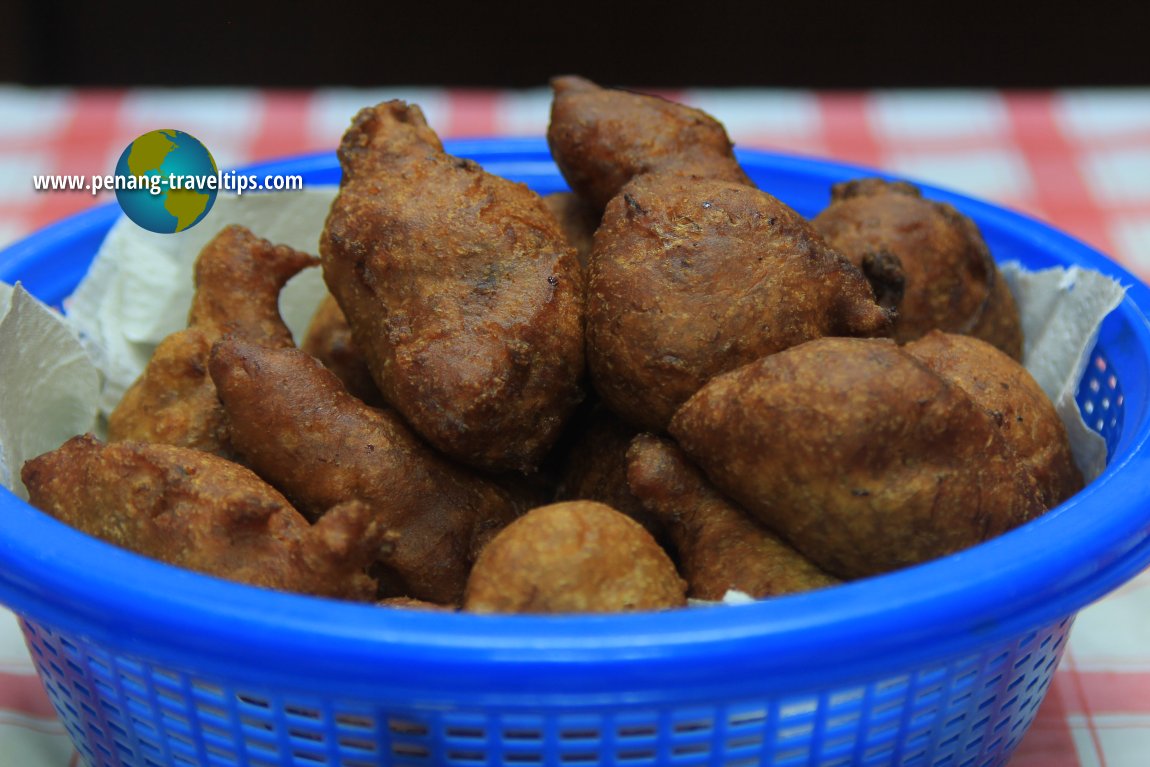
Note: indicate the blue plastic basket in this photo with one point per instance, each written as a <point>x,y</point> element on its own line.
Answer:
<point>941,664</point>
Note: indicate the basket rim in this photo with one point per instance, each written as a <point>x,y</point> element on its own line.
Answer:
<point>1037,574</point>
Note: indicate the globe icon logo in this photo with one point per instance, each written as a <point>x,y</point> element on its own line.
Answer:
<point>166,181</point>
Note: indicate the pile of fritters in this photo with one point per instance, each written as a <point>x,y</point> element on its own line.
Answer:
<point>663,383</point>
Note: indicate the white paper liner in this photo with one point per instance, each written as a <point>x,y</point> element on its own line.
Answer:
<point>1063,311</point>
<point>139,287</point>
<point>48,384</point>
<point>733,597</point>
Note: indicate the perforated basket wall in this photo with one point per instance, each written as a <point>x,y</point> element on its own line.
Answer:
<point>914,674</point>
<point>965,711</point>
<point>969,711</point>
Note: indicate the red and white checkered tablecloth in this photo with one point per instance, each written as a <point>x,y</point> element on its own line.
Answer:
<point>1079,159</point>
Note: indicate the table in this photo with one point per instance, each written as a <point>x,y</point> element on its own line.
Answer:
<point>1079,159</point>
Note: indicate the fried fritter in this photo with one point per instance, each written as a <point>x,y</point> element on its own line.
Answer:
<point>857,454</point>
<point>174,402</point>
<point>720,547</point>
<point>577,220</point>
<point>602,138</point>
<point>573,557</point>
<point>1006,390</point>
<point>460,289</point>
<point>238,279</point>
<point>294,424</point>
<point>329,340</point>
<point>201,512</point>
<point>596,469</point>
<point>951,281</point>
<point>693,277</point>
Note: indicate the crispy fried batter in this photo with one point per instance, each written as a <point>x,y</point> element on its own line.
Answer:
<point>196,510</point>
<point>238,278</point>
<point>602,138</point>
<point>460,290</point>
<point>573,557</point>
<point>577,220</point>
<point>174,402</point>
<point>329,340</point>
<point>859,455</point>
<point>951,281</point>
<point>720,547</point>
<point>693,277</point>
<point>595,469</point>
<point>1006,390</point>
<point>295,425</point>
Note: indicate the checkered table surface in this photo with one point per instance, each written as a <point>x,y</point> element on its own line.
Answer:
<point>1079,159</point>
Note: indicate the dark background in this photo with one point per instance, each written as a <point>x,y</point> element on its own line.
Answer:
<point>701,43</point>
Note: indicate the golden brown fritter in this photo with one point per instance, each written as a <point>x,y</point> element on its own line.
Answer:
<point>1000,324</point>
<point>720,547</point>
<point>602,138</point>
<point>174,402</point>
<point>951,281</point>
<point>1005,389</point>
<point>238,278</point>
<point>859,455</point>
<point>294,424</point>
<point>460,289</point>
<point>573,557</point>
<point>196,510</point>
<point>329,340</point>
<point>693,277</point>
<point>577,220</point>
<point>595,469</point>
